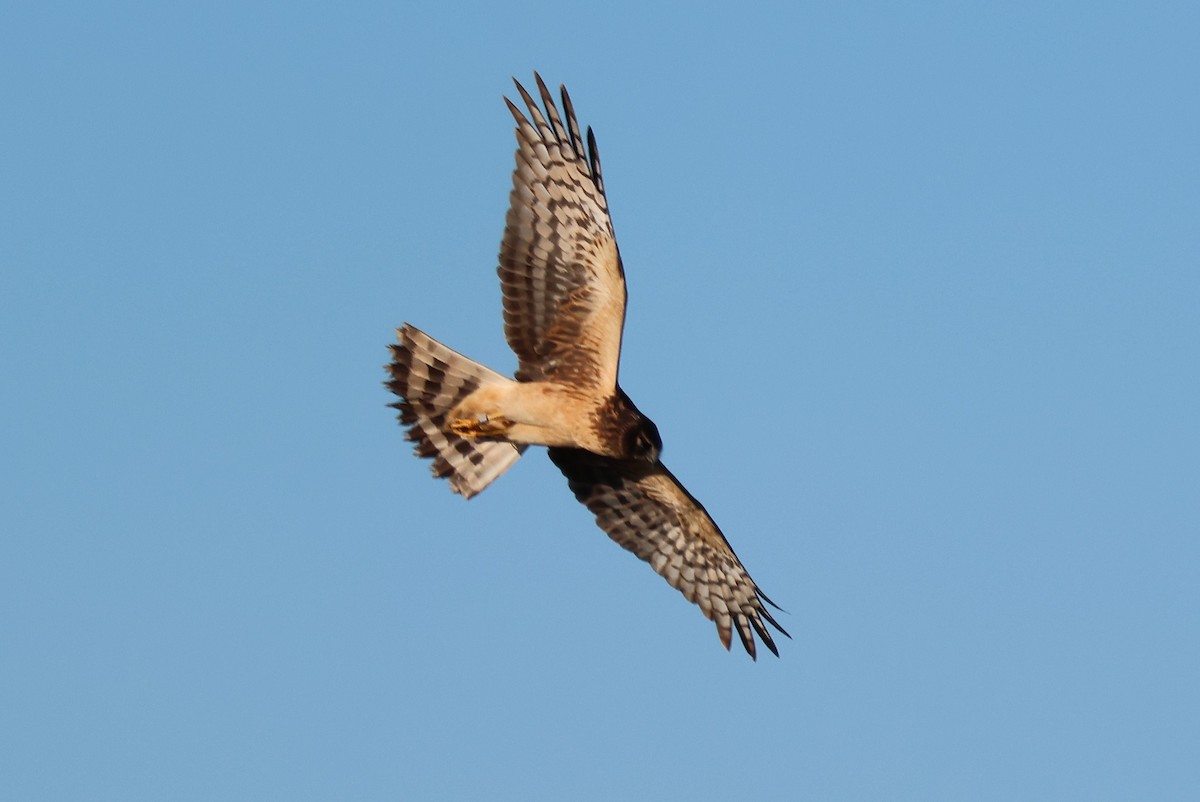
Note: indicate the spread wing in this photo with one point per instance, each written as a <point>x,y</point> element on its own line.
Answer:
<point>642,506</point>
<point>560,272</point>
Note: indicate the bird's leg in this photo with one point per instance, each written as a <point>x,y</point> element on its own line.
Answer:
<point>479,426</point>
<point>480,414</point>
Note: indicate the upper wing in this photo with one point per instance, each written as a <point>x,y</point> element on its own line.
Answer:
<point>643,507</point>
<point>560,272</point>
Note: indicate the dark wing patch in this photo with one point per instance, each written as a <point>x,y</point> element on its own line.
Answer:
<point>560,271</point>
<point>643,507</point>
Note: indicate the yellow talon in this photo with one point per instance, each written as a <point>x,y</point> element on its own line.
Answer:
<point>483,427</point>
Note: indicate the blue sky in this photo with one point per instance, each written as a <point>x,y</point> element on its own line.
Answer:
<point>914,298</point>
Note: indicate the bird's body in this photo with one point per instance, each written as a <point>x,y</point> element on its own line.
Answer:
<point>564,310</point>
<point>546,414</point>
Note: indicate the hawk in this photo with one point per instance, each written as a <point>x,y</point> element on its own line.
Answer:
<point>564,310</point>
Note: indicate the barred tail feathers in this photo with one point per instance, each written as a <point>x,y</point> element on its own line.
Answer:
<point>430,379</point>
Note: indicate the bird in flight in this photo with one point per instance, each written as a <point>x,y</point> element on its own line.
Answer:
<point>564,311</point>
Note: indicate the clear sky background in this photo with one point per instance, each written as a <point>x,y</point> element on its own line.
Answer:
<point>914,300</point>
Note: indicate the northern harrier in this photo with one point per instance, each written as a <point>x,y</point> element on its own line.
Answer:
<point>564,310</point>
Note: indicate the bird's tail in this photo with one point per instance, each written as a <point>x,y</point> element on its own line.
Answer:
<point>430,379</point>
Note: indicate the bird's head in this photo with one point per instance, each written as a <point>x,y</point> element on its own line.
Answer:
<point>642,440</point>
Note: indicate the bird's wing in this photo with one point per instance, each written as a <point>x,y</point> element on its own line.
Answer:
<point>645,509</point>
<point>560,271</point>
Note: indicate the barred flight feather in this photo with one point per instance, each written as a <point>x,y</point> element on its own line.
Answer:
<point>430,379</point>
<point>560,270</point>
<point>645,509</point>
